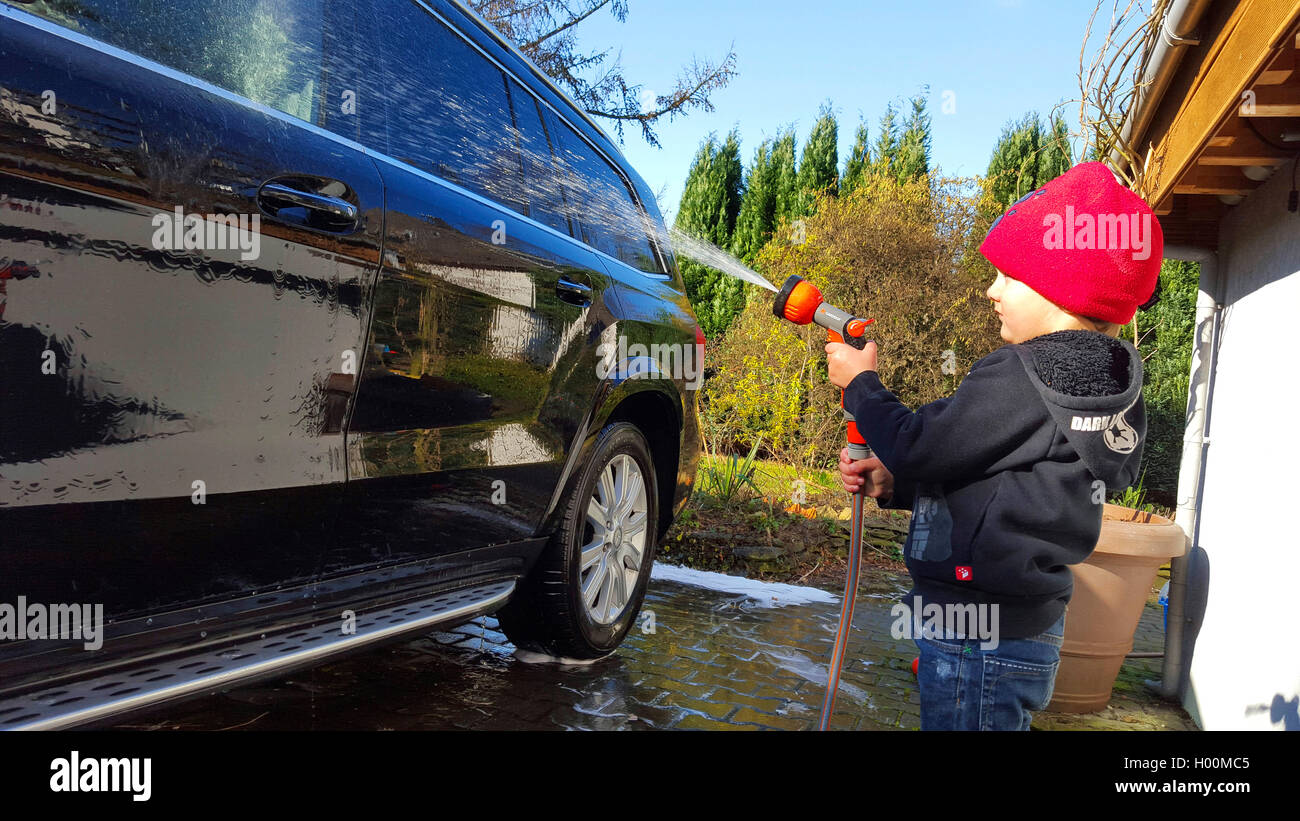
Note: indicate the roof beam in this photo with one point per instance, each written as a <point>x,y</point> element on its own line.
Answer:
<point>1266,160</point>
<point>1274,77</point>
<point>1250,38</point>
<point>1271,101</point>
<point>1235,144</point>
<point>1215,181</point>
<point>1279,72</point>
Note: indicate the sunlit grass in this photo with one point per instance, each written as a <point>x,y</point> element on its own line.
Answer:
<point>777,481</point>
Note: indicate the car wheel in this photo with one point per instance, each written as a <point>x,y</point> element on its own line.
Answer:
<point>586,590</point>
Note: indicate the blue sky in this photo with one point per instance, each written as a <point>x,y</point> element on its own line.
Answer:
<point>999,58</point>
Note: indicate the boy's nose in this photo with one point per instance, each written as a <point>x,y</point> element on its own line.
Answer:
<point>994,289</point>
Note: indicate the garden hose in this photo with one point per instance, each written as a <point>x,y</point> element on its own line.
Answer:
<point>800,302</point>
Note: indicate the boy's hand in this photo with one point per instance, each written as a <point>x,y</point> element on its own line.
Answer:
<point>868,475</point>
<point>844,362</point>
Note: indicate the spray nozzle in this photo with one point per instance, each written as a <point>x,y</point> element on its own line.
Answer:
<point>800,302</point>
<point>797,301</point>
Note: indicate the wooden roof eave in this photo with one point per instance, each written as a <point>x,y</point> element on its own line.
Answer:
<point>1199,141</point>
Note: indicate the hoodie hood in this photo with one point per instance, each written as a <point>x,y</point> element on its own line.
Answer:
<point>1092,385</point>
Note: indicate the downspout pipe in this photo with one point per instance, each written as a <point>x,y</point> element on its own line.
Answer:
<point>1191,472</point>
<point>1175,36</point>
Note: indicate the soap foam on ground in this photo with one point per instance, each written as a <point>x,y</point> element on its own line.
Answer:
<point>767,594</point>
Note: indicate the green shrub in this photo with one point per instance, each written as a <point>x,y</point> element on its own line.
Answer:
<point>901,253</point>
<point>1165,337</point>
<point>723,478</point>
<point>1133,496</point>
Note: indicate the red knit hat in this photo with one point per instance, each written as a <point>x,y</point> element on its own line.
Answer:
<point>1083,241</point>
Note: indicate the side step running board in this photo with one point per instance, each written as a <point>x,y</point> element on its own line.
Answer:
<point>86,701</point>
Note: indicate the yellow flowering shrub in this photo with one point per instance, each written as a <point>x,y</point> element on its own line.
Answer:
<point>902,254</point>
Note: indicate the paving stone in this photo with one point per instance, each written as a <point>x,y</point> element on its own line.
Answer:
<point>770,691</point>
<point>748,715</point>
<point>710,707</point>
<point>883,703</point>
<point>732,684</point>
<point>887,721</point>
<point>842,720</point>
<point>766,705</point>
<point>694,722</point>
<point>658,718</point>
<point>529,712</point>
<point>715,661</point>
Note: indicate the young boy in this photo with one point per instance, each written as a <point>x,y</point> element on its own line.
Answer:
<point>1006,478</point>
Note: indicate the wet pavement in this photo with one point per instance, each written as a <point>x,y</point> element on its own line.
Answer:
<point>708,659</point>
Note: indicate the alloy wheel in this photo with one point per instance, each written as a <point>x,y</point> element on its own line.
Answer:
<point>614,536</point>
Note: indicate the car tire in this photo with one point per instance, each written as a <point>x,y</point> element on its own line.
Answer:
<point>582,609</point>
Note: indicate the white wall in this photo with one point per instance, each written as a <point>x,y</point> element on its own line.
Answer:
<point>1245,671</point>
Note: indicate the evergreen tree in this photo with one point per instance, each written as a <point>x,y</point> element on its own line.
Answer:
<point>757,206</point>
<point>1027,156</point>
<point>887,142</point>
<point>787,184</point>
<point>732,173</point>
<point>818,168</point>
<point>857,163</point>
<point>1055,158</point>
<point>1013,167</point>
<point>912,159</point>
<point>708,210</point>
<point>1167,333</point>
<point>711,196</point>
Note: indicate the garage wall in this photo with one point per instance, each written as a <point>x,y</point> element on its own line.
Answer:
<point>1245,671</point>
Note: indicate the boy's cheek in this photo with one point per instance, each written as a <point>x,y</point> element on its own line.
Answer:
<point>1004,330</point>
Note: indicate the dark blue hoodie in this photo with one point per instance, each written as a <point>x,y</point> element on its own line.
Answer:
<point>1007,477</point>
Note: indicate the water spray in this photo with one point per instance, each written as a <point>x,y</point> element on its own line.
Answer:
<point>800,302</point>
<point>714,257</point>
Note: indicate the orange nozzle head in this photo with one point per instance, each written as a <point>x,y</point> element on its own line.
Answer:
<point>797,300</point>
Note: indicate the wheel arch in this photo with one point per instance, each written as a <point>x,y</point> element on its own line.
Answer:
<point>656,411</point>
<point>648,409</point>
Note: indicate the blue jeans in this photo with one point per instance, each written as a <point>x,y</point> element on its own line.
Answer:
<point>966,688</point>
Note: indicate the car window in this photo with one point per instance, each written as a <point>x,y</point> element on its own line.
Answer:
<point>266,50</point>
<point>448,111</point>
<point>354,100</point>
<point>542,183</point>
<point>606,216</point>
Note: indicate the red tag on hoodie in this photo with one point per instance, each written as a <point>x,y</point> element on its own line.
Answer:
<point>964,574</point>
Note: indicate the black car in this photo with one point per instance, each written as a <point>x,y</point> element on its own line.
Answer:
<point>322,322</point>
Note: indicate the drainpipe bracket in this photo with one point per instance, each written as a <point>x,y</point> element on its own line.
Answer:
<point>1177,42</point>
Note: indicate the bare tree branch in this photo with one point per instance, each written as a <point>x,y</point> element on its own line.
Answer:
<point>566,26</point>
<point>544,30</point>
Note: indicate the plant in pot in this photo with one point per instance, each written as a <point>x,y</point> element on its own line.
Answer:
<point>1110,590</point>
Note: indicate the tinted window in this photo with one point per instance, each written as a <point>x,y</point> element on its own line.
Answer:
<point>542,184</point>
<point>354,102</point>
<point>266,50</point>
<point>605,215</point>
<point>448,111</point>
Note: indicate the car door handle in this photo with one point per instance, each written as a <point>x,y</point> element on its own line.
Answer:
<point>573,292</point>
<point>329,213</point>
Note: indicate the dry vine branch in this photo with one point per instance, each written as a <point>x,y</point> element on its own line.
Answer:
<point>1110,83</point>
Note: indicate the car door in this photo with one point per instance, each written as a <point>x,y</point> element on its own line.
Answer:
<point>188,249</point>
<point>483,304</point>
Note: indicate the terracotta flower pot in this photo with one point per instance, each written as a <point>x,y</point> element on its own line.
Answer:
<point>1110,590</point>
